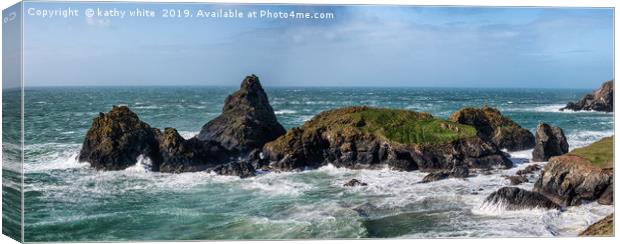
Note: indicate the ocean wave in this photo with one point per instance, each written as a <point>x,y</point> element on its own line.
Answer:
<point>285,111</point>
<point>51,156</point>
<point>551,108</point>
<point>584,138</point>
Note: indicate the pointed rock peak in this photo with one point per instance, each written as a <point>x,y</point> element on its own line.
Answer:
<point>249,98</point>
<point>251,83</point>
<point>247,121</point>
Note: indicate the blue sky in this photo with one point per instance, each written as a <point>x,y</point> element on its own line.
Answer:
<point>361,46</point>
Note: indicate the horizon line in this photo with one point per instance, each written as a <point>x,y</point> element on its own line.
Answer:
<point>294,86</point>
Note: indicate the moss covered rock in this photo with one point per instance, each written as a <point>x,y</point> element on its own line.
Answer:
<point>364,137</point>
<point>600,153</point>
<point>491,125</point>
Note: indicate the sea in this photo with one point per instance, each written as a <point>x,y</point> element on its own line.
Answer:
<point>66,200</point>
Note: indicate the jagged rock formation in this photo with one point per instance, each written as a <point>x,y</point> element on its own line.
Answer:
<point>180,155</point>
<point>492,126</point>
<point>550,141</point>
<point>568,180</point>
<point>363,137</point>
<point>599,100</point>
<point>247,121</point>
<point>116,139</point>
<point>513,198</point>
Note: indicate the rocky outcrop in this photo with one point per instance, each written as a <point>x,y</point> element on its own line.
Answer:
<point>355,182</point>
<point>363,137</point>
<point>600,100</point>
<point>513,198</point>
<point>247,121</point>
<point>492,126</point>
<point>550,141</point>
<point>116,139</point>
<point>603,227</point>
<point>568,180</point>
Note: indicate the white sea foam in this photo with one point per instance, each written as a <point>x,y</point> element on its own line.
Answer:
<point>586,137</point>
<point>552,108</point>
<point>63,156</point>
<point>188,134</point>
<point>285,111</point>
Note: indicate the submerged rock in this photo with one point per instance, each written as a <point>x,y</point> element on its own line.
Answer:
<point>514,198</point>
<point>550,141</point>
<point>363,137</point>
<point>435,176</point>
<point>603,227</point>
<point>600,100</point>
<point>355,182</point>
<point>456,172</point>
<point>242,169</point>
<point>247,121</point>
<point>568,180</point>
<point>516,179</point>
<point>530,169</point>
<point>116,139</point>
<point>492,126</point>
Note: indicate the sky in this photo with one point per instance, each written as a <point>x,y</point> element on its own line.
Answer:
<point>392,46</point>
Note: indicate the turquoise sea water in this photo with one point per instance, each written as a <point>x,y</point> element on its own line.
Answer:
<point>67,201</point>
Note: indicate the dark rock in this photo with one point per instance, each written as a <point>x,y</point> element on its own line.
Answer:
<point>514,198</point>
<point>247,121</point>
<point>550,141</point>
<point>435,176</point>
<point>116,139</point>
<point>568,180</point>
<point>492,126</point>
<point>344,138</point>
<point>180,155</point>
<point>516,179</point>
<point>600,100</point>
<point>530,169</point>
<point>355,182</point>
<point>607,198</point>
<point>456,172</point>
<point>459,172</point>
<point>242,169</point>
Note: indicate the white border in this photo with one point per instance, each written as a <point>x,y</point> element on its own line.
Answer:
<point>541,3</point>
